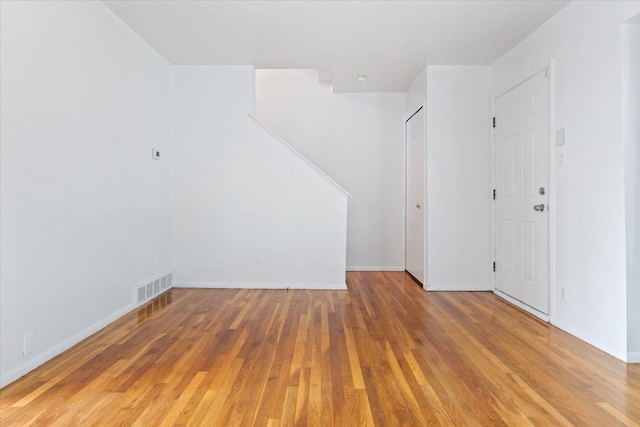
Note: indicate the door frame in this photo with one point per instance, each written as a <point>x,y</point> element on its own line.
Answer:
<point>425,279</point>
<point>551,229</point>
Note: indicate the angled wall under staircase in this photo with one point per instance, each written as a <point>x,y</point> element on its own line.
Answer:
<point>248,210</point>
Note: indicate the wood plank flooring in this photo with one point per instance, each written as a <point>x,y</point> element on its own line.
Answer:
<point>383,353</point>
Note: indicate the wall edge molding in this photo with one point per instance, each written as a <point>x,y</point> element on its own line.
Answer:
<point>271,286</point>
<point>633,357</point>
<point>296,153</point>
<point>54,351</point>
<point>595,342</point>
<point>458,288</point>
<point>375,268</point>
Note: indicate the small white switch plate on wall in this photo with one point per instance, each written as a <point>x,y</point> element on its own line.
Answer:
<point>155,154</point>
<point>560,137</point>
<point>27,344</point>
<point>259,257</point>
<point>293,173</point>
<point>562,158</point>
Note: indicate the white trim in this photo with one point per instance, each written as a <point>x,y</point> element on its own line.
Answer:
<point>493,188</point>
<point>376,268</point>
<point>293,151</point>
<point>455,288</point>
<point>228,285</point>
<point>425,219</point>
<point>597,343</point>
<point>633,357</point>
<point>540,315</point>
<point>48,354</point>
<point>62,346</point>
<point>551,191</point>
<point>544,69</point>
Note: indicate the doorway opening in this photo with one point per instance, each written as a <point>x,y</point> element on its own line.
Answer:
<point>522,178</point>
<point>415,197</point>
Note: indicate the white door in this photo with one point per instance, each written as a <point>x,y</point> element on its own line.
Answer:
<point>415,207</point>
<point>522,180</point>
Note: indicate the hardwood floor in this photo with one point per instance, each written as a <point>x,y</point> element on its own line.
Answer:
<point>383,353</point>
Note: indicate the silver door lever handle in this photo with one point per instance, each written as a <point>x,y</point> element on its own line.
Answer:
<point>418,206</point>
<point>539,208</point>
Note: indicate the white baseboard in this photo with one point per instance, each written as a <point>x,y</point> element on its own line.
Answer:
<point>597,343</point>
<point>522,306</point>
<point>375,268</point>
<point>224,285</point>
<point>633,357</point>
<point>454,288</point>
<point>57,349</point>
<point>48,354</point>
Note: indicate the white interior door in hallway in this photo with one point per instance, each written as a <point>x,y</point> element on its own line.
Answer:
<point>415,252</point>
<point>522,180</point>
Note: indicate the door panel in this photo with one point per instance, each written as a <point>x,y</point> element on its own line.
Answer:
<point>415,258</point>
<point>522,168</point>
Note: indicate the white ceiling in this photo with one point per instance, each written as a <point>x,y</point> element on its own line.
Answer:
<point>389,41</point>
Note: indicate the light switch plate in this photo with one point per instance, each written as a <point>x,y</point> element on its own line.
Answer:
<point>155,154</point>
<point>560,137</point>
<point>562,160</point>
<point>27,344</point>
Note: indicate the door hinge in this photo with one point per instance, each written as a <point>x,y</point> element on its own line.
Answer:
<point>494,194</point>
<point>494,122</point>
<point>494,267</point>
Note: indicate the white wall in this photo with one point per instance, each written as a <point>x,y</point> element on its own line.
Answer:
<point>234,200</point>
<point>85,211</point>
<point>459,177</point>
<point>589,207</point>
<point>358,140</point>
<point>459,205</point>
<point>631,135</point>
